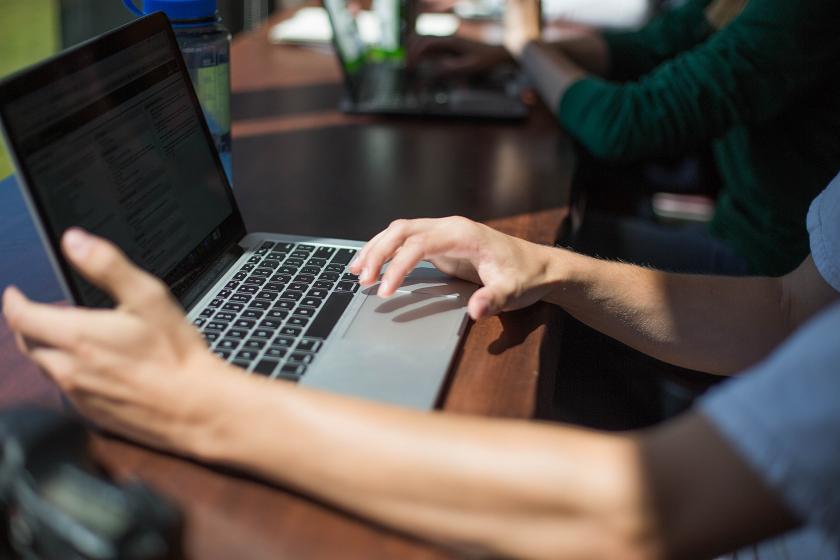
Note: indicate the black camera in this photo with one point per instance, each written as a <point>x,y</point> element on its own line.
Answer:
<point>56,504</point>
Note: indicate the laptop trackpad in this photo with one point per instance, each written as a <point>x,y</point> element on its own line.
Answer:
<point>395,350</point>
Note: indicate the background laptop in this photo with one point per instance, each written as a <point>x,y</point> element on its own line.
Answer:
<point>387,87</point>
<point>110,136</point>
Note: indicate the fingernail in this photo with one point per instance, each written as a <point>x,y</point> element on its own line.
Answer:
<point>77,242</point>
<point>383,287</point>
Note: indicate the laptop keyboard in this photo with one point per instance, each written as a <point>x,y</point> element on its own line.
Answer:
<point>274,315</point>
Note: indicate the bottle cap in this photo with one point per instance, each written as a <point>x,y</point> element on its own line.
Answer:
<point>180,9</point>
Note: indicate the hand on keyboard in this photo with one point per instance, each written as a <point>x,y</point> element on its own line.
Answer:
<point>512,271</point>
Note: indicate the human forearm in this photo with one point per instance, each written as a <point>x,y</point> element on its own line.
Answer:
<point>503,487</point>
<point>551,71</point>
<point>715,324</point>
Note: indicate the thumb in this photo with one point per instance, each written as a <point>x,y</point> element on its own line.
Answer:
<point>486,301</point>
<point>106,267</point>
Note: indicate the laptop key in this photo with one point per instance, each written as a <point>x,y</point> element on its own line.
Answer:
<point>317,263</point>
<point>237,333</point>
<point>225,316</point>
<point>277,314</point>
<point>224,294</point>
<point>299,255</point>
<point>223,354</point>
<point>300,358</point>
<point>275,287</point>
<point>275,352</point>
<point>263,333</point>
<point>255,280</point>
<point>329,276</point>
<point>282,342</point>
<point>297,321</point>
<point>293,369</point>
<point>207,313</point>
<point>284,304</point>
<point>281,278</point>
<point>311,270</point>
<point>233,307</point>
<point>240,276</point>
<point>270,263</point>
<point>276,255</point>
<point>215,303</point>
<point>244,323</point>
<point>291,294</point>
<point>271,296</point>
<point>216,326</point>
<point>347,287</point>
<point>242,363</point>
<point>312,302</point>
<point>299,286</point>
<point>260,304</point>
<point>307,345</point>
<point>252,314</point>
<point>286,269</point>
<point>294,261</point>
<point>246,268</point>
<point>329,315</point>
<point>343,256</point>
<point>322,285</point>
<point>334,268</point>
<point>249,355</point>
<point>241,297</point>
<point>305,311</point>
<point>317,293</point>
<point>231,285</point>
<point>262,272</point>
<point>350,277</point>
<point>284,247</point>
<point>307,248</point>
<point>290,331</point>
<point>266,367</point>
<point>210,336</point>
<point>267,245</point>
<point>248,289</point>
<point>199,322</point>
<point>228,344</point>
<point>271,323</point>
<point>325,253</point>
<point>254,260</point>
<point>254,344</point>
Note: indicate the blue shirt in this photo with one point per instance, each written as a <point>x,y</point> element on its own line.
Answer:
<point>783,415</point>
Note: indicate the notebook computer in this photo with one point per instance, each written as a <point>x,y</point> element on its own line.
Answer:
<point>110,136</point>
<point>383,85</point>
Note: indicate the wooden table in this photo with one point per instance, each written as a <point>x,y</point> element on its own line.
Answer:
<point>302,167</point>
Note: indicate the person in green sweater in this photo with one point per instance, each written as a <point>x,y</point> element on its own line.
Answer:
<point>752,79</point>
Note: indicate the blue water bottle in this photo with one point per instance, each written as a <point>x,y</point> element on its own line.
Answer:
<point>205,44</point>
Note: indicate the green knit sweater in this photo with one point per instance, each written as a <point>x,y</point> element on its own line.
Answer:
<point>764,90</point>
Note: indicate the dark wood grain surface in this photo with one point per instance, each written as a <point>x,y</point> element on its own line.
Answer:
<point>300,166</point>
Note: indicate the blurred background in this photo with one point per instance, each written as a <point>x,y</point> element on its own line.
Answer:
<point>31,30</point>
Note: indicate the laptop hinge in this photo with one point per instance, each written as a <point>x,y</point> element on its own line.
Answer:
<point>210,275</point>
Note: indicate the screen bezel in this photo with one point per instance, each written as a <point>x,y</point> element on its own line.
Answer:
<point>27,81</point>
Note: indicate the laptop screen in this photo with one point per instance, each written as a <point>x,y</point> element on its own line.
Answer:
<point>109,137</point>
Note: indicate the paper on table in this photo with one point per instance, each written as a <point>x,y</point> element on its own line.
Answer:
<point>312,26</point>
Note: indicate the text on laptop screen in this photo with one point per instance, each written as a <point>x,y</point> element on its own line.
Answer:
<point>115,145</point>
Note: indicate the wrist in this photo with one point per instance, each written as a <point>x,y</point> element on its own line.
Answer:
<point>564,274</point>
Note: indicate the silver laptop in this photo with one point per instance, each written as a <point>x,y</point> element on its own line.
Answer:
<point>109,136</point>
